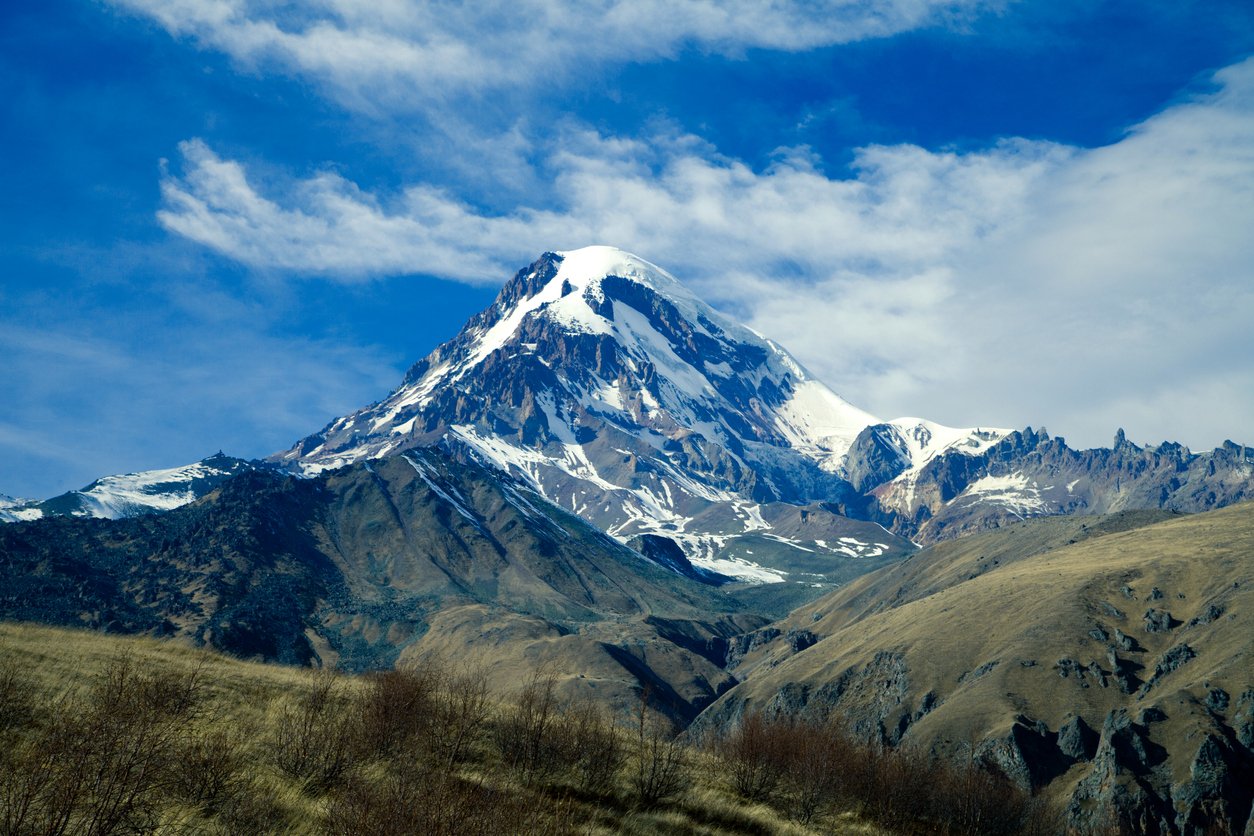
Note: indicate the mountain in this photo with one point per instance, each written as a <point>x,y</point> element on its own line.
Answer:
<point>610,388</point>
<point>127,495</point>
<point>1028,474</point>
<point>378,561</point>
<point>1104,661</point>
<point>12,510</point>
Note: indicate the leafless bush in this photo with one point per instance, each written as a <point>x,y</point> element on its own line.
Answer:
<point>101,765</point>
<point>436,803</point>
<point>755,753</point>
<point>596,749</point>
<point>460,712</point>
<point>211,769</point>
<point>821,767</point>
<point>316,736</point>
<point>530,734</point>
<point>398,708</point>
<point>661,761</point>
<point>17,696</point>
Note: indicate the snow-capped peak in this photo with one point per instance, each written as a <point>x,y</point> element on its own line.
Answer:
<point>925,440</point>
<point>575,295</point>
<point>130,494</point>
<point>610,387</point>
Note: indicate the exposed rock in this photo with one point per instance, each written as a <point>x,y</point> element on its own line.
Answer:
<point>1126,642</point>
<point>740,646</point>
<point>971,676</point>
<point>876,456</point>
<point>1076,739</point>
<point>799,640</point>
<point>1027,755</point>
<point>1123,672</point>
<point>666,552</point>
<point>1168,662</point>
<point>1216,798</point>
<point>1211,613</point>
<point>1243,719</point>
<point>1159,621</point>
<point>1111,610</point>
<point>1114,795</point>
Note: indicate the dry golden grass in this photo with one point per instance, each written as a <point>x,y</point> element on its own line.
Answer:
<point>246,704</point>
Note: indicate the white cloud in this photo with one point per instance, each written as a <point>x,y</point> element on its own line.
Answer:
<point>907,208</point>
<point>410,54</point>
<point>1027,282</point>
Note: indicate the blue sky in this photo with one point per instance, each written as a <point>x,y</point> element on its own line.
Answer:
<point>225,222</point>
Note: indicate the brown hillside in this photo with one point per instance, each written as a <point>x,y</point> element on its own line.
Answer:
<point>1116,671</point>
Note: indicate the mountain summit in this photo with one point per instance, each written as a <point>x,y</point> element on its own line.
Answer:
<point>608,385</point>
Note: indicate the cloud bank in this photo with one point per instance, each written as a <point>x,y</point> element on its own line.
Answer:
<point>1026,282</point>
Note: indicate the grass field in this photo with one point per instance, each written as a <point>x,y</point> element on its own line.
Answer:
<point>107,734</point>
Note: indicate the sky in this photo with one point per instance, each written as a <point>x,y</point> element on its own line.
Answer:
<point>225,222</point>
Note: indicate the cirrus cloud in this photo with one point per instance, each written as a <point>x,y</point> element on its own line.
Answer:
<point>397,54</point>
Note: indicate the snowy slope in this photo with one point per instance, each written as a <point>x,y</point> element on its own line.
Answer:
<point>130,494</point>
<point>619,395</point>
<point>14,510</point>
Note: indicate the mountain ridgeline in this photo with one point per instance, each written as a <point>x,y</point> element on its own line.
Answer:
<point>361,565</point>
<point>604,384</point>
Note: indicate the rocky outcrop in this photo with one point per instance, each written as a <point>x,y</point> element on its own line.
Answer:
<point>877,456</point>
<point>666,552</point>
<point>1115,792</point>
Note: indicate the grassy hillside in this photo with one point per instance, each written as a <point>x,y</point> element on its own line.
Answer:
<point>106,734</point>
<point>1106,661</point>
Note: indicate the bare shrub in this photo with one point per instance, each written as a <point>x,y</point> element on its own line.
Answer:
<point>461,709</point>
<point>436,803</point>
<point>316,736</point>
<point>397,709</point>
<point>597,753</point>
<point>755,754</point>
<point>253,809</point>
<point>101,765</point>
<point>530,734</point>
<point>661,761</point>
<point>18,696</point>
<point>820,767</point>
<point>211,769</point>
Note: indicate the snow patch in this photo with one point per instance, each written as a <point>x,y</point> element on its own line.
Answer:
<point>1015,492</point>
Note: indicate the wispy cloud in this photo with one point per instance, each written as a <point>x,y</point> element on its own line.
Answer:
<point>1025,282</point>
<point>409,55</point>
<point>1120,292</point>
<point>907,208</point>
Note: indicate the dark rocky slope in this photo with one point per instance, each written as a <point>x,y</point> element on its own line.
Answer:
<point>358,565</point>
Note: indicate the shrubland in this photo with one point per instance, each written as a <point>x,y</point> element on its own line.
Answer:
<point>105,735</point>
